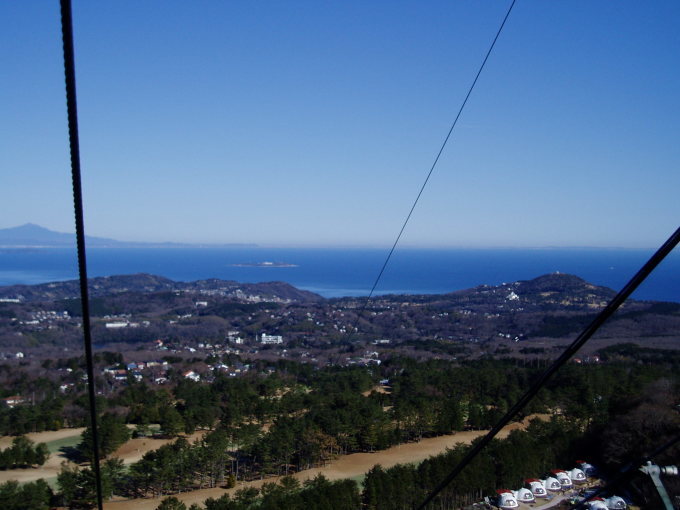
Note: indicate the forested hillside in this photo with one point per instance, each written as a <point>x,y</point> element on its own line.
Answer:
<point>298,417</point>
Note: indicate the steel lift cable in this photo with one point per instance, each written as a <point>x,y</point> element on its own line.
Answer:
<point>429,174</point>
<point>74,146</point>
<point>607,312</point>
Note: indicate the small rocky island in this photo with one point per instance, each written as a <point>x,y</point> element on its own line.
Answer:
<point>265,264</point>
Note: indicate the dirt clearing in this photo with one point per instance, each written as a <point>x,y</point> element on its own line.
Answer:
<point>130,452</point>
<point>386,390</point>
<point>43,437</point>
<point>347,466</point>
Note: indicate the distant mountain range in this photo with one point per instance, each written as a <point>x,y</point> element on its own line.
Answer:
<point>35,236</point>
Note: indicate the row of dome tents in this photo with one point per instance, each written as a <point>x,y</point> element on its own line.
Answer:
<point>535,488</point>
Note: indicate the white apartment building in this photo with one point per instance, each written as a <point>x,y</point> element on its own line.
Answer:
<point>271,339</point>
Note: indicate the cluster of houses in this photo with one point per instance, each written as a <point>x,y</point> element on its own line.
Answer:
<point>135,369</point>
<point>233,370</point>
<point>586,360</point>
<point>50,315</point>
<point>557,481</point>
<point>158,372</point>
<point>41,318</point>
<point>369,358</point>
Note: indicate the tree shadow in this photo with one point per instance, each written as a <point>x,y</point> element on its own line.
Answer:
<point>73,454</point>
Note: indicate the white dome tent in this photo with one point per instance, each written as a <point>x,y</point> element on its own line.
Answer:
<point>588,469</point>
<point>537,488</point>
<point>506,500</point>
<point>577,476</point>
<point>524,495</point>
<point>563,478</point>
<point>552,484</point>
<point>616,503</point>
<point>597,504</point>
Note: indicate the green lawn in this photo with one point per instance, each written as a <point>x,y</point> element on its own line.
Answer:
<point>359,479</point>
<point>67,442</point>
<point>52,482</point>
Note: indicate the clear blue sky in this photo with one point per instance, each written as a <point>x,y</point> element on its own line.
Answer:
<point>314,123</point>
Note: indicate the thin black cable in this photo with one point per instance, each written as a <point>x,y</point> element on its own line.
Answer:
<point>613,305</point>
<point>627,472</point>
<point>74,146</point>
<point>429,174</point>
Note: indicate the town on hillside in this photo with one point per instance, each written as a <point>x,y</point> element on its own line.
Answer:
<point>220,395</point>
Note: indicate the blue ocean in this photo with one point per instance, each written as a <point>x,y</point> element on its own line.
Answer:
<point>334,272</point>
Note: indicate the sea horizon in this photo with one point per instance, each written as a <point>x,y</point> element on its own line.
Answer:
<point>338,272</point>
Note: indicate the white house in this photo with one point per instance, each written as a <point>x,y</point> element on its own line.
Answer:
<point>271,339</point>
<point>190,374</point>
<point>13,401</point>
<point>115,325</point>
<point>120,375</point>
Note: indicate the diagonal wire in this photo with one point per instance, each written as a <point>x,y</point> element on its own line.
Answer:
<point>613,305</point>
<point>626,472</point>
<point>429,174</point>
<point>74,147</point>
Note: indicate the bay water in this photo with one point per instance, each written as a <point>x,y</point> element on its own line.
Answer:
<point>335,272</point>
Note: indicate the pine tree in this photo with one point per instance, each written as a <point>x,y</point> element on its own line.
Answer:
<point>171,503</point>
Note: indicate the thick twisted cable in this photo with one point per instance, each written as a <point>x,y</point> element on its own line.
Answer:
<point>74,146</point>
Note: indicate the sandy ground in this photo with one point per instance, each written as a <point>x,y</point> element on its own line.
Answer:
<point>347,466</point>
<point>134,449</point>
<point>378,389</point>
<point>48,470</point>
<point>43,437</point>
<point>130,452</point>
